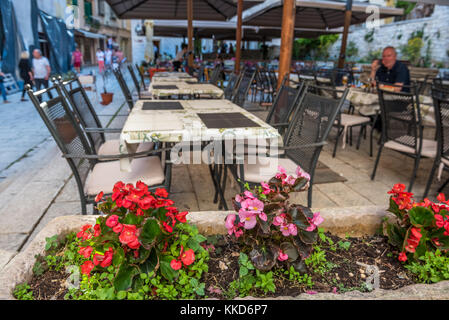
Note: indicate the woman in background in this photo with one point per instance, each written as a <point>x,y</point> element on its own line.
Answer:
<point>25,71</point>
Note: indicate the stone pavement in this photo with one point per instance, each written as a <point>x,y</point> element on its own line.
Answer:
<point>43,188</point>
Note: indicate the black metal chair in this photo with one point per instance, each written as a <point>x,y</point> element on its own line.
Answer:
<point>233,83</point>
<point>141,94</point>
<point>283,107</point>
<point>244,85</point>
<point>345,120</point>
<point>402,128</point>
<point>90,173</point>
<point>439,85</point>
<point>311,123</point>
<point>142,77</point>
<point>90,123</point>
<point>215,76</point>
<point>124,87</point>
<point>441,108</point>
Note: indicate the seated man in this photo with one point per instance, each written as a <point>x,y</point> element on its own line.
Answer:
<point>392,71</point>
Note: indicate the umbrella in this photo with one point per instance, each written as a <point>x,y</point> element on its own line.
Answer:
<point>149,49</point>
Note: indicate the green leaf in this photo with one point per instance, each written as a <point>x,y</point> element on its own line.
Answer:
<point>151,264</point>
<point>394,208</point>
<point>421,217</point>
<point>299,184</point>
<point>193,244</point>
<point>166,270</point>
<point>299,216</point>
<point>304,249</point>
<point>243,271</point>
<point>118,257</point>
<point>124,278</point>
<point>200,238</point>
<point>150,231</point>
<point>105,293</point>
<point>395,236</point>
<point>131,219</point>
<point>121,295</point>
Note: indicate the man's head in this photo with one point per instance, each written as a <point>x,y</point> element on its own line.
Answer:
<point>37,53</point>
<point>389,57</point>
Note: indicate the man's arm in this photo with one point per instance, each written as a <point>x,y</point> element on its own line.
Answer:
<point>48,70</point>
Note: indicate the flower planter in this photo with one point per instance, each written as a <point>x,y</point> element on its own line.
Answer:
<point>106,98</point>
<point>355,221</point>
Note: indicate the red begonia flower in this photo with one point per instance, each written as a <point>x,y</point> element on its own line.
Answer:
<point>87,267</point>
<point>99,196</point>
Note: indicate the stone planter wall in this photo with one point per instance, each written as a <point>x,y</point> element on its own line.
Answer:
<point>354,221</point>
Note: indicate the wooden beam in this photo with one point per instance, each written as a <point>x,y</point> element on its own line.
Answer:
<point>238,37</point>
<point>190,31</point>
<point>287,37</point>
<point>344,38</point>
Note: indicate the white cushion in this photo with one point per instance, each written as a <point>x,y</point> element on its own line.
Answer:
<point>265,168</point>
<point>429,147</point>
<point>111,147</point>
<point>349,120</point>
<point>105,174</point>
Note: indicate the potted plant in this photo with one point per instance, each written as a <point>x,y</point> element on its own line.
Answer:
<point>106,97</point>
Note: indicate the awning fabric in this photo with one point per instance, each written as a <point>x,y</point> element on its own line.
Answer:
<point>216,10</point>
<point>317,14</point>
<point>88,34</point>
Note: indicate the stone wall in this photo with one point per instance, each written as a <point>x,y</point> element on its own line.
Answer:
<point>396,34</point>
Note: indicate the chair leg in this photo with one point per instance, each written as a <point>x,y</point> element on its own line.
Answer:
<point>443,186</point>
<point>429,181</point>
<point>362,128</point>
<point>377,162</point>
<point>415,171</point>
<point>371,141</point>
<point>309,197</point>
<point>339,132</point>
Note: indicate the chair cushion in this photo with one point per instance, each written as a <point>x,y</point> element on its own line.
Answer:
<point>429,147</point>
<point>265,168</point>
<point>349,120</point>
<point>105,174</point>
<point>110,147</point>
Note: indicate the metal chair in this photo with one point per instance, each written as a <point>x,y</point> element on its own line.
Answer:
<point>124,87</point>
<point>91,174</point>
<point>311,123</point>
<point>233,83</point>
<point>243,87</point>
<point>283,107</point>
<point>439,85</point>
<point>142,95</point>
<point>142,77</point>
<point>90,123</point>
<point>402,129</point>
<point>441,108</point>
<point>216,74</point>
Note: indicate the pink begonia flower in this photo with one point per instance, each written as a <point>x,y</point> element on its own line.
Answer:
<point>284,230</point>
<point>263,216</point>
<point>311,292</point>
<point>315,221</point>
<point>253,205</point>
<point>238,198</point>
<point>302,174</point>
<point>282,256</point>
<point>248,219</point>
<point>292,229</point>
<point>230,219</point>
<point>265,187</point>
<point>281,173</point>
<point>249,195</point>
<point>279,220</point>
<point>290,180</point>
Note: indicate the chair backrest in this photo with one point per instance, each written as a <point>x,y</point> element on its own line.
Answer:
<point>401,117</point>
<point>243,87</point>
<point>231,86</point>
<point>142,77</point>
<point>310,125</point>
<point>284,104</point>
<point>134,78</point>
<point>273,79</point>
<point>84,110</point>
<point>64,128</point>
<point>124,87</point>
<point>441,108</point>
<point>439,85</point>
<point>216,74</point>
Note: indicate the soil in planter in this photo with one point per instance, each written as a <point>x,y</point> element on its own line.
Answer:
<point>343,273</point>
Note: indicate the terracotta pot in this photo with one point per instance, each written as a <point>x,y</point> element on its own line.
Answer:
<point>106,98</point>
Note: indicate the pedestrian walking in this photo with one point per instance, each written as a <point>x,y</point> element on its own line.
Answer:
<point>25,71</point>
<point>41,71</point>
<point>108,58</point>
<point>77,60</point>
<point>100,59</point>
<point>2,87</point>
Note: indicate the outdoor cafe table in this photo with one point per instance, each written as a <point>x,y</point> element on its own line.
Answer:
<point>172,76</point>
<point>192,89</point>
<point>174,121</point>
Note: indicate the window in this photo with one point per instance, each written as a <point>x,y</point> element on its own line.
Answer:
<point>101,8</point>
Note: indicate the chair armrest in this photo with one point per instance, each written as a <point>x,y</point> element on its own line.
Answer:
<point>115,156</point>
<point>281,124</point>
